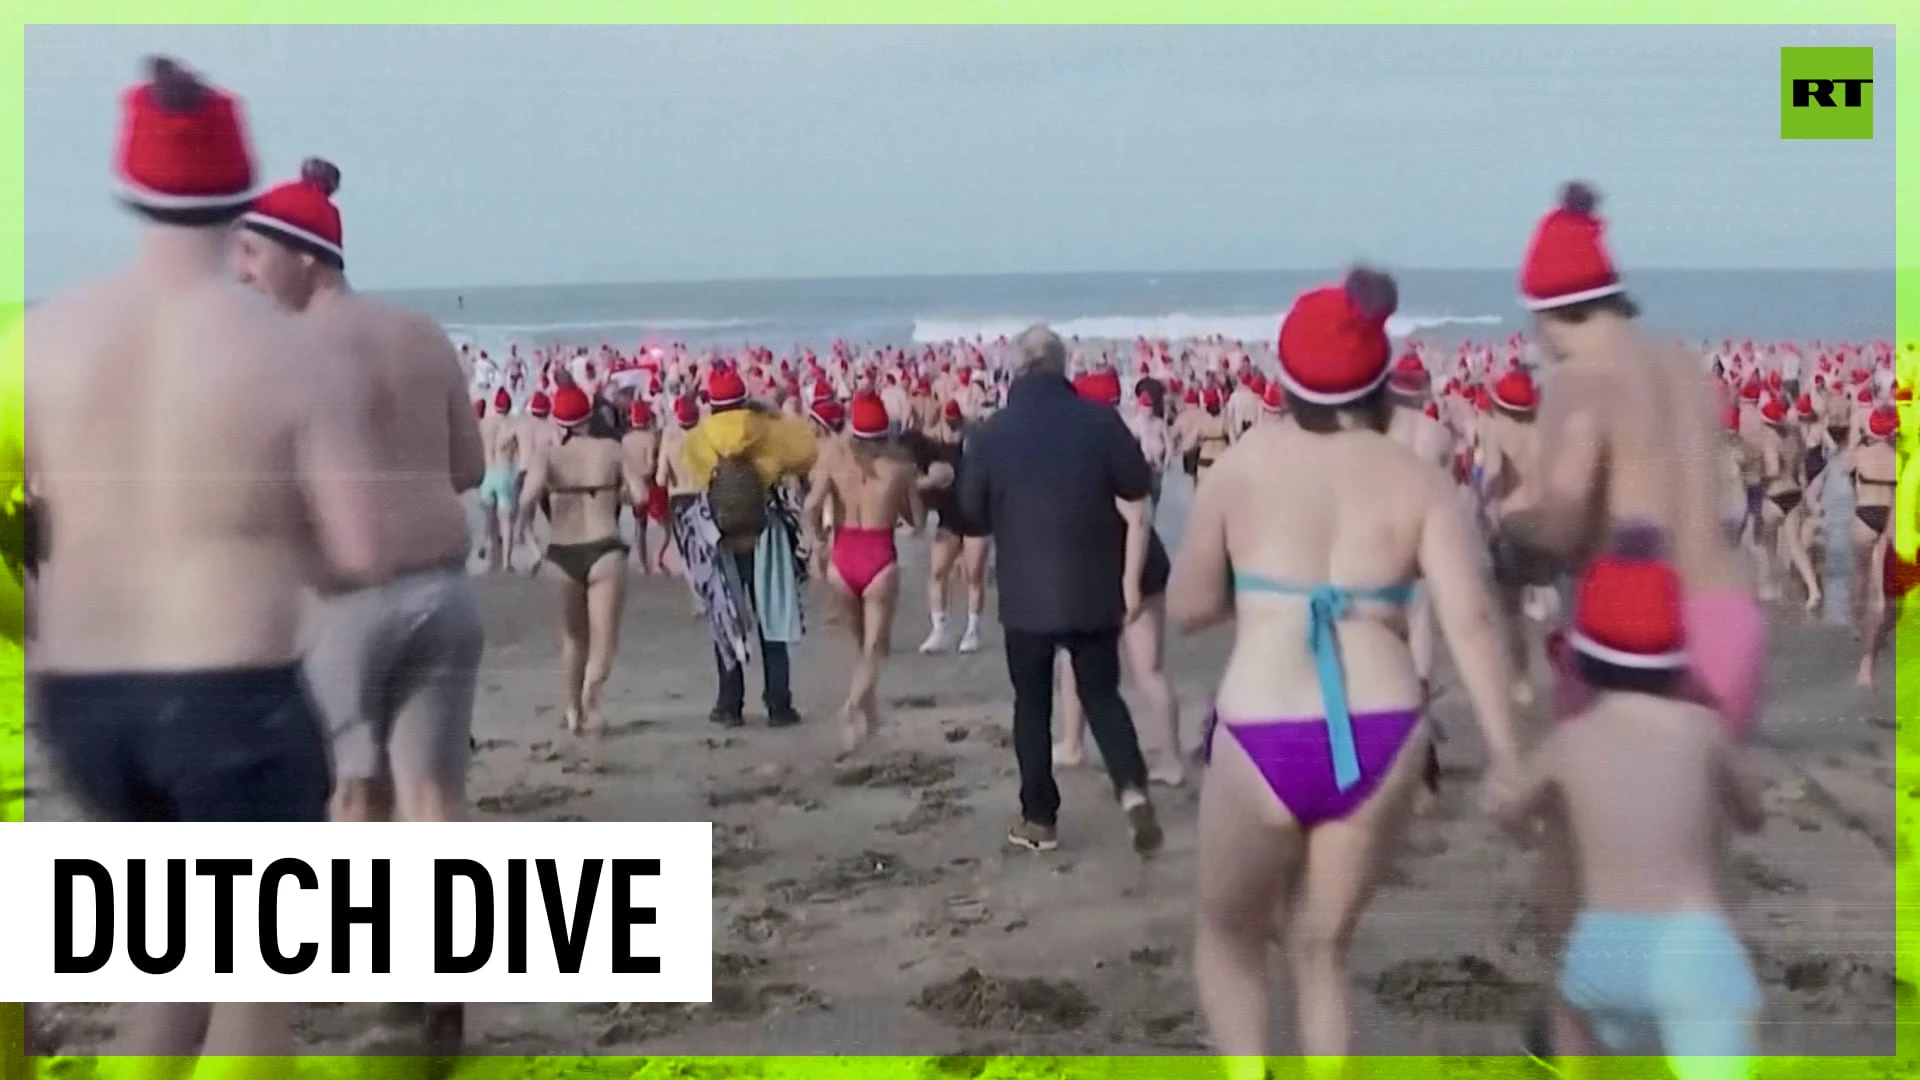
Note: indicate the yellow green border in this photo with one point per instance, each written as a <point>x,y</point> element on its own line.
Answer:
<point>1906,117</point>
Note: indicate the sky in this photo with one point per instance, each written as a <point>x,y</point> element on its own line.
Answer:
<point>553,155</point>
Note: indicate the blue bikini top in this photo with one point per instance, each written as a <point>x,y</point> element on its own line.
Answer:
<point>1326,606</point>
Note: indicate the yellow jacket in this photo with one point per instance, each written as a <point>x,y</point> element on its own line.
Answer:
<point>13,471</point>
<point>777,444</point>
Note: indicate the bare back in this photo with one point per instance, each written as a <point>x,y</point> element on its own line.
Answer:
<point>871,487</point>
<point>586,482</point>
<point>416,416</point>
<point>172,429</point>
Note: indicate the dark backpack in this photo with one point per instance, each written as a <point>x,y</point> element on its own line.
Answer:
<point>739,500</point>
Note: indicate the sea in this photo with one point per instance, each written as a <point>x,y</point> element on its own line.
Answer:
<point>1435,305</point>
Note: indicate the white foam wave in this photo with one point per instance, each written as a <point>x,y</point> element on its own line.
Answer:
<point>570,329</point>
<point>1179,326</point>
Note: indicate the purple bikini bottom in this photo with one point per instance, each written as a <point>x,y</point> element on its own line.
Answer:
<point>1295,758</point>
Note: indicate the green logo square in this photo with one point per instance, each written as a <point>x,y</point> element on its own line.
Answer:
<point>1826,93</point>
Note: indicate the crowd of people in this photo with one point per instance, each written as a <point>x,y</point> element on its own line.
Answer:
<point>277,436</point>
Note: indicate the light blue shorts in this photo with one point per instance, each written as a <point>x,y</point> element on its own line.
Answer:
<point>500,488</point>
<point>1677,983</point>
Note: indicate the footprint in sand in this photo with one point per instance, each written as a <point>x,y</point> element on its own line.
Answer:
<point>1466,988</point>
<point>1022,1006</point>
<point>909,770</point>
<point>520,800</point>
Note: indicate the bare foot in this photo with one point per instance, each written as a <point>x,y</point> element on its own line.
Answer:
<point>1523,694</point>
<point>854,731</point>
<point>572,720</point>
<point>1068,757</point>
<point>1813,602</point>
<point>1169,774</point>
<point>1864,678</point>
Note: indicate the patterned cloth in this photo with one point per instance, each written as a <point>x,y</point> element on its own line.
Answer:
<point>731,621</point>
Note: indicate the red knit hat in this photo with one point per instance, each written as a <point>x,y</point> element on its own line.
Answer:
<point>502,401</point>
<point>725,387</point>
<point>1774,412</point>
<point>1274,400</point>
<point>301,213</point>
<point>571,406</point>
<point>639,413</point>
<point>1409,376</point>
<point>183,145</point>
<point>685,412</point>
<point>951,411</point>
<point>828,413</point>
<point>539,407</point>
<point>1628,609</point>
<point>1883,422</point>
<point>868,419</point>
<point>1567,263</point>
<point>1515,392</point>
<point>1333,344</point>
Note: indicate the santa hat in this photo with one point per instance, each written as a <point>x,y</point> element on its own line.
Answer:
<point>183,147</point>
<point>828,413</point>
<point>1409,376</point>
<point>539,407</point>
<point>685,412</point>
<point>725,387</point>
<point>1883,422</point>
<point>571,406</point>
<point>1751,391</point>
<point>1567,262</point>
<point>639,413</point>
<point>868,419</point>
<point>1628,609</point>
<point>502,401</point>
<point>1274,400</point>
<point>1515,392</point>
<point>951,411</point>
<point>1804,407</point>
<point>1333,344</point>
<point>301,213</point>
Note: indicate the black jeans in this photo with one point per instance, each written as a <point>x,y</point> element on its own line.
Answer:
<point>773,658</point>
<point>1096,669</point>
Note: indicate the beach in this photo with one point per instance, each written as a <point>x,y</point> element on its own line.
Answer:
<point>874,907</point>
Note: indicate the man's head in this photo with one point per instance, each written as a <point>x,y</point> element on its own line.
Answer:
<point>289,244</point>
<point>1039,351</point>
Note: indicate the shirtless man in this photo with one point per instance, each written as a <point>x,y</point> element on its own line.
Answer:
<point>500,488</point>
<point>640,447</point>
<point>1510,448</point>
<point>1628,430</point>
<point>165,394</point>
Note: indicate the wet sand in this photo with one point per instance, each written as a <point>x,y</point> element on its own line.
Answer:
<point>875,908</point>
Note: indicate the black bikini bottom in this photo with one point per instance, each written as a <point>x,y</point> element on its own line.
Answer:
<point>1874,517</point>
<point>576,560</point>
<point>1787,501</point>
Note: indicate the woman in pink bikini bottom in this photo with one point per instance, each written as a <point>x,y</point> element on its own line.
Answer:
<point>1319,744</point>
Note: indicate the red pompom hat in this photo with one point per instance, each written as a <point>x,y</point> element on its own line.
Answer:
<point>571,406</point>
<point>301,213</point>
<point>725,387</point>
<point>828,413</point>
<point>1628,610</point>
<point>1515,392</point>
<point>868,419</point>
<point>1567,263</point>
<point>183,146</point>
<point>539,407</point>
<point>1333,344</point>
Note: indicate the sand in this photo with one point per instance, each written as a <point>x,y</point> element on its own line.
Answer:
<point>876,908</point>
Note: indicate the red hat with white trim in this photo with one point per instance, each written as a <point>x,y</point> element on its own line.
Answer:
<point>1410,376</point>
<point>1883,422</point>
<point>301,214</point>
<point>686,412</point>
<point>868,418</point>
<point>1515,392</point>
<point>828,413</point>
<point>639,413</point>
<point>1274,399</point>
<point>1567,262</point>
<point>183,146</point>
<point>1629,609</point>
<point>725,387</point>
<point>539,407</point>
<point>571,406</point>
<point>502,401</point>
<point>1333,345</point>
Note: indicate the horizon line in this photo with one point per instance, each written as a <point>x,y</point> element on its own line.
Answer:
<point>971,275</point>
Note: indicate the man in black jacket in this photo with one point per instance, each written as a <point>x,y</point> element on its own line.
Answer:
<point>1044,476</point>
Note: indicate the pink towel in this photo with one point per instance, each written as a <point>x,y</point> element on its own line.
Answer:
<point>1727,640</point>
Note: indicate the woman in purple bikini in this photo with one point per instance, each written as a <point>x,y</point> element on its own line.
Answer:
<point>1317,741</point>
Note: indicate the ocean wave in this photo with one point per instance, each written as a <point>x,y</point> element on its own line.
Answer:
<point>1179,326</point>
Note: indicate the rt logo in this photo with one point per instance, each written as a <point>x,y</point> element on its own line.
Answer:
<point>1826,93</point>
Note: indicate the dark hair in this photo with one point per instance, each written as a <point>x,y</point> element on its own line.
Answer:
<point>1574,314</point>
<point>1156,393</point>
<point>199,217</point>
<point>1620,679</point>
<point>1374,412</point>
<point>605,420</point>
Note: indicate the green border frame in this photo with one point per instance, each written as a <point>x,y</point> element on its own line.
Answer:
<point>1905,129</point>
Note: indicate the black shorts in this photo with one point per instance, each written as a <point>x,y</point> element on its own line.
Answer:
<point>231,745</point>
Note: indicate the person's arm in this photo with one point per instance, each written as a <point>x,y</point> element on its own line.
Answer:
<point>1560,519</point>
<point>819,489</point>
<point>916,504</point>
<point>1200,587</point>
<point>535,486</point>
<point>466,457</point>
<point>1449,557</point>
<point>1139,532</point>
<point>663,461</point>
<point>336,470</point>
<point>976,482</point>
<point>1127,467</point>
<point>1533,788</point>
<point>634,478</point>
<point>1739,787</point>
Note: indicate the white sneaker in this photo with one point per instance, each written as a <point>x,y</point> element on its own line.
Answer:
<point>936,642</point>
<point>970,641</point>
